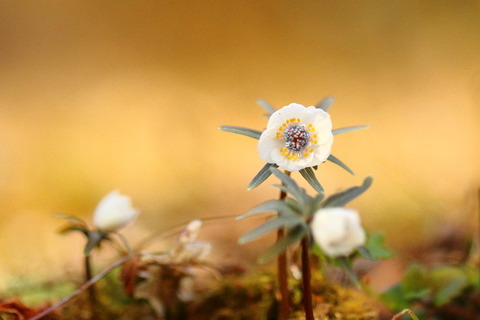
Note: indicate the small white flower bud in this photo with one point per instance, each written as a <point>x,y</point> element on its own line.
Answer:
<point>337,231</point>
<point>114,212</point>
<point>191,231</point>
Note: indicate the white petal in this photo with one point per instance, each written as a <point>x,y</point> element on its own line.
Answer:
<point>113,212</point>
<point>292,165</point>
<point>268,144</point>
<point>321,152</point>
<point>293,110</point>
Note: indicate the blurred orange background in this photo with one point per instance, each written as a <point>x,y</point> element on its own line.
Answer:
<point>128,95</point>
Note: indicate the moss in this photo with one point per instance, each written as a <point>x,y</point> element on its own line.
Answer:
<point>235,297</point>
<point>253,297</point>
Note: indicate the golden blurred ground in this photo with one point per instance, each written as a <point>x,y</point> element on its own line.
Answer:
<point>105,95</point>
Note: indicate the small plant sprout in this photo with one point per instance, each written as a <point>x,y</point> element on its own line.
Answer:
<point>299,216</point>
<point>297,138</point>
<point>112,213</point>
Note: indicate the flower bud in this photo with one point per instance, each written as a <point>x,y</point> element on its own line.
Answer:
<point>114,212</point>
<point>337,231</point>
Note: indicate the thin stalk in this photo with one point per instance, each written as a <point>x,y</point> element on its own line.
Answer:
<point>92,295</point>
<point>306,279</point>
<point>84,286</point>
<point>283,271</point>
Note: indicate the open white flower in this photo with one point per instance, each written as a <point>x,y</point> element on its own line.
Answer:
<point>296,137</point>
<point>337,231</point>
<point>113,212</point>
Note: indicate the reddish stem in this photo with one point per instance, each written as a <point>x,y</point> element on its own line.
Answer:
<point>92,294</point>
<point>283,281</point>
<point>306,276</point>
<point>283,271</point>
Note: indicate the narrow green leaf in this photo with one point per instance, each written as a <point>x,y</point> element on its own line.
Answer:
<point>342,198</point>
<point>338,162</point>
<point>270,225</point>
<point>346,265</point>
<point>272,205</point>
<point>325,104</point>
<point>261,176</point>
<point>376,247</point>
<point>71,218</point>
<point>364,252</point>
<point>292,187</point>
<point>317,201</point>
<point>242,131</point>
<point>293,204</point>
<point>73,227</point>
<point>309,175</point>
<point>281,187</point>
<point>266,105</point>
<point>348,129</point>
<point>292,236</point>
<point>448,282</point>
<point>415,283</point>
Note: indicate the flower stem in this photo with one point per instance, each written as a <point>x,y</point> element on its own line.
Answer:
<point>84,286</point>
<point>307,286</point>
<point>92,296</point>
<point>282,271</point>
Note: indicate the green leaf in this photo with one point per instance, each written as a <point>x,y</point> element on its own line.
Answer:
<point>292,187</point>
<point>292,236</point>
<point>309,175</point>
<point>293,204</point>
<point>72,219</point>
<point>261,176</point>
<point>74,227</point>
<point>346,265</point>
<point>365,252</point>
<point>325,104</point>
<point>448,282</point>
<point>342,198</point>
<point>266,105</point>
<point>270,225</point>
<point>348,129</point>
<point>415,283</point>
<point>243,131</point>
<point>317,201</point>
<point>338,162</point>
<point>272,205</point>
<point>394,299</point>
<point>450,291</point>
<point>375,246</point>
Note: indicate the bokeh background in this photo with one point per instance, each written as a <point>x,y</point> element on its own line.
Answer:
<point>128,95</point>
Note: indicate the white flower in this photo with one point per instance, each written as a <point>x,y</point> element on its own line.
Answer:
<point>191,231</point>
<point>337,231</point>
<point>188,247</point>
<point>113,212</point>
<point>296,137</point>
<point>194,251</point>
